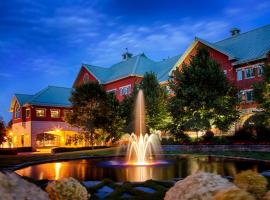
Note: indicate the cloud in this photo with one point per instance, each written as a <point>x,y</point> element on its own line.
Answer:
<point>160,39</point>
<point>5,75</point>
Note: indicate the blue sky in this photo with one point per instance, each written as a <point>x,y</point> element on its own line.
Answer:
<point>44,42</point>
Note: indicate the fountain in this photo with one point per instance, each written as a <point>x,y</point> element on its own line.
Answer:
<point>142,148</point>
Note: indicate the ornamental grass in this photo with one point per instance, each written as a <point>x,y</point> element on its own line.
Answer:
<point>233,194</point>
<point>67,189</point>
<point>252,182</point>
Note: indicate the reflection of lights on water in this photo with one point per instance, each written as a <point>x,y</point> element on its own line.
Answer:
<point>57,168</point>
<point>139,173</point>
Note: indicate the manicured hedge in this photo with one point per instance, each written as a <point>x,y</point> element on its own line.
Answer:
<point>70,149</point>
<point>8,151</point>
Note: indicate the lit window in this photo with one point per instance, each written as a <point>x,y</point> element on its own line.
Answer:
<point>40,112</point>
<point>260,70</point>
<point>249,95</point>
<point>28,113</point>
<point>55,113</point>
<point>249,72</point>
<point>239,74</point>
<point>86,78</point>
<point>18,112</point>
<point>125,90</point>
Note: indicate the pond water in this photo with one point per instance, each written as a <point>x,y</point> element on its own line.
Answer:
<point>176,167</point>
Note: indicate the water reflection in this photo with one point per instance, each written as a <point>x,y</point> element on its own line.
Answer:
<point>179,166</point>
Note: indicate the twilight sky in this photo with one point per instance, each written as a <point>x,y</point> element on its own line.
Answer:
<point>43,42</point>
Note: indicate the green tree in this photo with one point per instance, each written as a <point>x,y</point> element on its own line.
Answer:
<point>203,97</point>
<point>114,123</point>
<point>262,94</point>
<point>2,131</point>
<point>157,116</point>
<point>89,109</point>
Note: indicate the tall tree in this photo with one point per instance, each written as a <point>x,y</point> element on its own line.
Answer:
<point>2,131</point>
<point>157,116</point>
<point>89,109</point>
<point>262,94</point>
<point>203,97</point>
<point>114,123</point>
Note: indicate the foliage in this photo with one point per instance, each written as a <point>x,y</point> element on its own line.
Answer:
<point>126,111</point>
<point>67,189</point>
<point>2,131</point>
<point>201,186</point>
<point>262,93</point>
<point>157,117</point>
<point>89,109</point>
<point>233,194</point>
<point>203,97</point>
<point>251,182</point>
<point>115,123</point>
<point>13,186</point>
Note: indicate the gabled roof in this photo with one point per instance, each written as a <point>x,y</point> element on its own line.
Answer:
<point>50,96</point>
<point>242,48</point>
<point>134,66</point>
<point>248,46</point>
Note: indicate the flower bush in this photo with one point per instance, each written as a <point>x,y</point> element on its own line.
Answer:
<point>233,194</point>
<point>199,186</point>
<point>252,182</point>
<point>67,189</point>
<point>14,187</point>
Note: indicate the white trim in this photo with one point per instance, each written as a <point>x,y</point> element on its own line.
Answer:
<point>108,91</point>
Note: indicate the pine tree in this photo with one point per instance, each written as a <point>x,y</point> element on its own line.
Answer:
<point>2,131</point>
<point>203,97</point>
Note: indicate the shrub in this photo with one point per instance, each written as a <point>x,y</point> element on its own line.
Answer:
<point>208,136</point>
<point>233,194</point>
<point>252,182</point>
<point>8,151</point>
<point>14,187</point>
<point>67,189</point>
<point>244,134</point>
<point>201,186</point>
<point>71,149</point>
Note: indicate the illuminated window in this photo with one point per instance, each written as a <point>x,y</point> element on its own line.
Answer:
<point>125,90</point>
<point>28,113</point>
<point>239,74</point>
<point>249,73</point>
<point>40,112</point>
<point>55,113</point>
<point>18,112</point>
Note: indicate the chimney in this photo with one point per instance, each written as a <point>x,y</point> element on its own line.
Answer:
<point>235,31</point>
<point>126,55</point>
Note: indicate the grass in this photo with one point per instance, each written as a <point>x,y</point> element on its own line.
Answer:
<point>9,161</point>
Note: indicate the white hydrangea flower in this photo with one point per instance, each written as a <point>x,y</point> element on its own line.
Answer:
<point>13,187</point>
<point>199,186</point>
<point>67,189</point>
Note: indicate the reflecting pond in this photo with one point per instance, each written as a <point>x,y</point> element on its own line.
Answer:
<point>177,166</point>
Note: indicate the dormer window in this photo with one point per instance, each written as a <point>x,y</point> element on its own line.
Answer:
<point>86,78</point>
<point>18,112</point>
<point>125,90</point>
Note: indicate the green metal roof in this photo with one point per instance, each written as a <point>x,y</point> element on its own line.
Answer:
<point>137,65</point>
<point>50,96</point>
<point>248,46</point>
